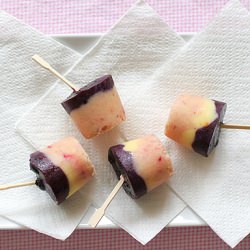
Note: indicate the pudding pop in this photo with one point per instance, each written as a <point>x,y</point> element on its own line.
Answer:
<point>62,168</point>
<point>141,165</point>
<point>194,122</point>
<point>95,108</point>
<point>144,164</point>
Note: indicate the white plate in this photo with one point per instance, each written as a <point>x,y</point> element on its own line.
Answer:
<point>81,44</point>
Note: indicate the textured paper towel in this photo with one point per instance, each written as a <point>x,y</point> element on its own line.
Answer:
<point>131,53</point>
<point>216,64</point>
<point>23,83</point>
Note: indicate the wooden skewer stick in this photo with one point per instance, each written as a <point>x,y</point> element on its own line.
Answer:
<point>96,217</point>
<point>234,126</point>
<point>47,66</point>
<point>4,187</point>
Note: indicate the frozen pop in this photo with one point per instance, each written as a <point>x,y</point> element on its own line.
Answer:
<point>195,122</point>
<point>143,163</point>
<point>62,168</point>
<point>140,165</point>
<point>95,108</point>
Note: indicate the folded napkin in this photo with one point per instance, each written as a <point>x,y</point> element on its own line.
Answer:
<point>22,84</point>
<point>131,51</point>
<point>215,64</point>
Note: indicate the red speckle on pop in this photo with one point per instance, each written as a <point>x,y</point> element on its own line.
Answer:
<point>67,156</point>
<point>159,159</point>
<point>49,146</point>
<point>104,128</point>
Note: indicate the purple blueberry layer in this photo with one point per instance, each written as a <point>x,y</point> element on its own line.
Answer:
<point>122,162</point>
<point>49,176</point>
<point>207,138</point>
<point>77,98</point>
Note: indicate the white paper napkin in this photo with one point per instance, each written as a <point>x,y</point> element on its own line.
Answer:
<point>216,64</point>
<point>131,51</point>
<point>22,83</point>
